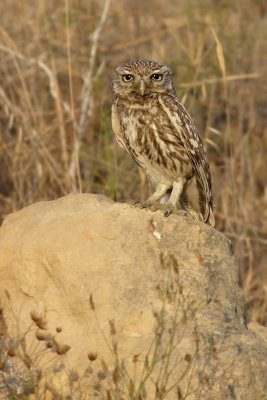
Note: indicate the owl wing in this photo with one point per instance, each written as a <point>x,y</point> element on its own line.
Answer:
<point>185,129</point>
<point>119,133</point>
<point>116,126</point>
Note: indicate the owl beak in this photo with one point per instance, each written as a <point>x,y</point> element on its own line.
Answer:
<point>142,87</point>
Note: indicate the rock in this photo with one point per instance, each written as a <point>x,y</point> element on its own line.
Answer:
<point>150,306</point>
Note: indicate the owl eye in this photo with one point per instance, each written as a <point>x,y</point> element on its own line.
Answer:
<point>127,78</point>
<point>156,77</point>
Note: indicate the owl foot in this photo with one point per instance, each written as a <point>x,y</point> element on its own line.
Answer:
<point>152,206</point>
<point>128,201</point>
<point>182,213</point>
<point>168,209</point>
<point>143,204</point>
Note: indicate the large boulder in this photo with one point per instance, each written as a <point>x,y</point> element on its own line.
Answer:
<point>103,300</point>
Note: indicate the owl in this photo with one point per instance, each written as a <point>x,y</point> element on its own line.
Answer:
<point>156,130</point>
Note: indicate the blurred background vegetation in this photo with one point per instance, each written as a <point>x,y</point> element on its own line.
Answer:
<point>57,60</point>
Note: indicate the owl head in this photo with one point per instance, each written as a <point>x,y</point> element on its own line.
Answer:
<point>142,78</point>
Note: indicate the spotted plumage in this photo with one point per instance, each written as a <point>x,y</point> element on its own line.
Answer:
<point>156,130</point>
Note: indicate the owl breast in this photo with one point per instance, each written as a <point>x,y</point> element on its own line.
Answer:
<point>146,133</point>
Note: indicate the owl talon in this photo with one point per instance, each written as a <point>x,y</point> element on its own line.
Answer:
<point>141,204</point>
<point>182,213</point>
<point>168,210</point>
<point>147,204</point>
<point>155,207</point>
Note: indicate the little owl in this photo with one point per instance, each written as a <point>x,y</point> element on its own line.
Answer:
<point>151,124</point>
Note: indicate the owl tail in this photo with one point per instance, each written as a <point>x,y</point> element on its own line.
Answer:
<point>193,213</point>
<point>211,219</point>
<point>197,204</point>
<point>198,215</point>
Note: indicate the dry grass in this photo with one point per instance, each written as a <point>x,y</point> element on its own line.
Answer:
<point>56,65</point>
<point>34,364</point>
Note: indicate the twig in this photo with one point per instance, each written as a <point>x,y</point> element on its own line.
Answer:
<point>87,98</point>
<point>44,67</point>
<point>226,78</point>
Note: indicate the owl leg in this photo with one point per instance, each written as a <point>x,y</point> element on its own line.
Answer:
<point>177,189</point>
<point>174,200</point>
<point>161,190</point>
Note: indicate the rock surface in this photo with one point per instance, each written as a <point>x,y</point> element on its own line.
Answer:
<point>155,302</point>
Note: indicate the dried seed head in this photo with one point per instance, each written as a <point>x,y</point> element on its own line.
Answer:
<point>73,376</point>
<point>62,349</point>
<point>89,371</point>
<point>116,375</point>
<point>40,335</point>
<point>34,316</point>
<point>136,358</point>
<point>50,344</point>
<point>92,356</point>
<point>11,352</point>
<point>38,319</point>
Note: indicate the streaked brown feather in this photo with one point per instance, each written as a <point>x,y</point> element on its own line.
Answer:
<point>161,137</point>
<point>185,129</point>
